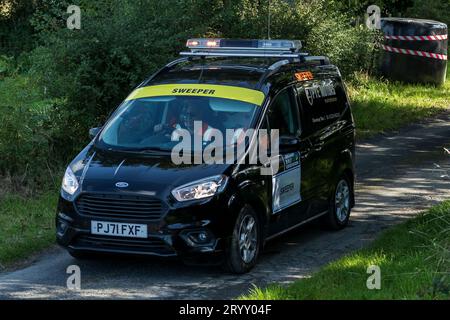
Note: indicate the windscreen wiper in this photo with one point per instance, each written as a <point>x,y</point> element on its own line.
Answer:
<point>152,150</point>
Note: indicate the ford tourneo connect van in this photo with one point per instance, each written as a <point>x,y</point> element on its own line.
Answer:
<point>231,145</point>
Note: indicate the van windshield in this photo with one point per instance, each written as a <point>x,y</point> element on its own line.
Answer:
<point>159,122</point>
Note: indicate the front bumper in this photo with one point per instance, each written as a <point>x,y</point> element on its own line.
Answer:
<point>188,231</point>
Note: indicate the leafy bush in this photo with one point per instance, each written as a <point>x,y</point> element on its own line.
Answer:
<point>121,43</point>
<point>436,10</point>
<point>6,66</point>
<point>357,8</point>
<point>16,32</point>
<point>26,135</point>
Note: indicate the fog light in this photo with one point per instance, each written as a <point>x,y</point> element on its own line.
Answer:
<point>61,228</point>
<point>202,236</point>
<point>197,238</point>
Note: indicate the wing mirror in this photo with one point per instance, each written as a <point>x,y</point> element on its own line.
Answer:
<point>93,132</point>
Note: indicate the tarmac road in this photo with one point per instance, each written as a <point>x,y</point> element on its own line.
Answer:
<point>397,178</point>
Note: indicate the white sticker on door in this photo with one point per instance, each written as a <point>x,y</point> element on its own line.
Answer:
<point>286,185</point>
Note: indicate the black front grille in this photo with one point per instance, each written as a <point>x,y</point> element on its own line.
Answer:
<point>120,206</point>
<point>149,245</point>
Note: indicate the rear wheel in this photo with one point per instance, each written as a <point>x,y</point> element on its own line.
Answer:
<point>340,205</point>
<point>245,244</point>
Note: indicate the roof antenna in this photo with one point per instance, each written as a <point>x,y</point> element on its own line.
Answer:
<point>268,23</point>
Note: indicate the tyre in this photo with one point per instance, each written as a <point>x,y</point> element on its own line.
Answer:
<point>245,244</point>
<point>340,205</point>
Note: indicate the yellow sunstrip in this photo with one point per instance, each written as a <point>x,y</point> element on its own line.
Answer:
<point>200,90</point>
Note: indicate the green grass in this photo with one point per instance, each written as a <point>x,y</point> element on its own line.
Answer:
<point>380,106</point>
<point>26,226</point>
<point>414,258</point>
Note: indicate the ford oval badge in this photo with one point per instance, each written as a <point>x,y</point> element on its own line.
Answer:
<point>122,185</point>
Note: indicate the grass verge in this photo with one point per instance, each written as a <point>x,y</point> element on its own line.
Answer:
<point>414,258</point>
<point>26,226</point>
<point>380,105</point>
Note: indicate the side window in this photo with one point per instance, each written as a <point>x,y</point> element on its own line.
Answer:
<point>283,114</point>
<point>322,103</point>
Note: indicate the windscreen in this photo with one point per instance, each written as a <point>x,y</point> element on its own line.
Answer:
<point>156,122</point>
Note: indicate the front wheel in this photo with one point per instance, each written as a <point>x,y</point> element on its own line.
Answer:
<point>245,243</point>
<point>340,205</point>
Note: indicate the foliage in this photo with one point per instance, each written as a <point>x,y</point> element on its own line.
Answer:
<point>16,32</point>
<point>26,143</point>
<point>121,43</point>
<point>356,8</point>
<point>6,66</point>
<point>435,10</point>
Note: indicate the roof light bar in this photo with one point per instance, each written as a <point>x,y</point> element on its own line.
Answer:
<point>230,44</point>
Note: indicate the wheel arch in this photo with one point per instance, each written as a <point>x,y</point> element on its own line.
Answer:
<point>252,195</point>
<point>344,166</point>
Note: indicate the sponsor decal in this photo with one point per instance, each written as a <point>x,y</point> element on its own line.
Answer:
<point>193,91</point>
<point>303,76</point>
<point>286,184</point>
<point>331,100</point>
<point>201,90</point>
<point>327,117</point>
<point>291,160</point>
<point>319,91</point>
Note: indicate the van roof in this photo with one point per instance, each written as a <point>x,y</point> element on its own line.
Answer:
<point>247,72</point>
<point>240,72</point>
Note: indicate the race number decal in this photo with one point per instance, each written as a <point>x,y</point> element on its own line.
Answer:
<point>286,184</point>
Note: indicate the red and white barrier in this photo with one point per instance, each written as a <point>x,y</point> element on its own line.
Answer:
<point>418,38</point>
<point>415,53</point>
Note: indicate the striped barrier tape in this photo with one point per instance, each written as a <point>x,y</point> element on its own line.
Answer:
<point>418,38</point>
<point>416,53</point>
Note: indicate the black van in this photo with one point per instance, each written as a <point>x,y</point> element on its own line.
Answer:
<point>125,193</point>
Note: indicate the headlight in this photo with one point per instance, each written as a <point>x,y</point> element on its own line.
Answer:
<point>201,189</point>
<point>70,182</point>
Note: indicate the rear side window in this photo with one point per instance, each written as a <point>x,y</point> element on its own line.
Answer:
<point>322,103</point>
<point>283,114</point>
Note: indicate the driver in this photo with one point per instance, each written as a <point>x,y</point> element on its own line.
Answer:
<point>134,126</point>
<point>194,110</point>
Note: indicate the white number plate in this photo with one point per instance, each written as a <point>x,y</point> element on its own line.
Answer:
<point>119,229</point>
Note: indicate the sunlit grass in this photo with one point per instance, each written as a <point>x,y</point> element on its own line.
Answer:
<point>414,260</point>
<point>380,105</point>
<point>26,225</point>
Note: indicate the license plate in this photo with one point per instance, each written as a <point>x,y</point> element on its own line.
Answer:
<point>119,229</point>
